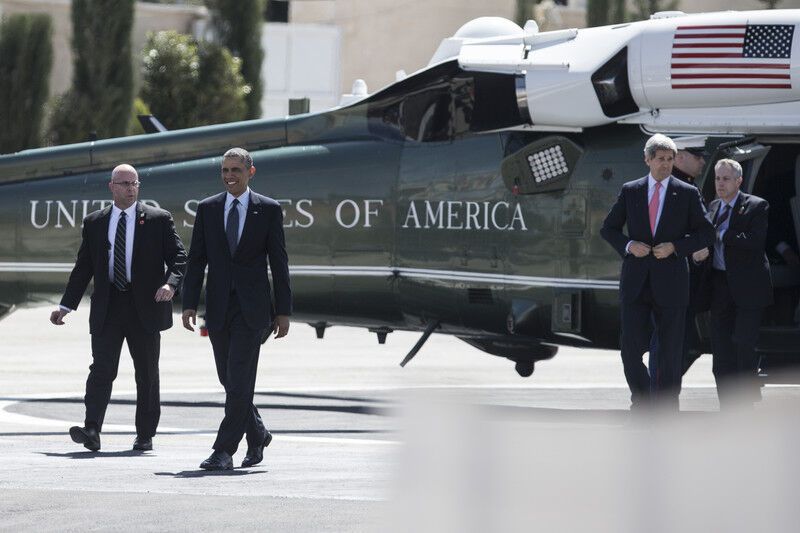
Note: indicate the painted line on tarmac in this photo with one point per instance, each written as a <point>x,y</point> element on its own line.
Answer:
<point>7,417</point>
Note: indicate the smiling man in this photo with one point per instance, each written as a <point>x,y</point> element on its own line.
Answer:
<point>237,234</point>
<point>665,222</point>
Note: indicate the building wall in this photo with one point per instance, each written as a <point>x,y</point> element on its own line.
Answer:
<point>147,17</point>
<point>300,61</point>
<point>380,37</point>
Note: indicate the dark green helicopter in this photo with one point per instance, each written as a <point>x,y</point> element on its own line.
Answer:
<point>466,198</point>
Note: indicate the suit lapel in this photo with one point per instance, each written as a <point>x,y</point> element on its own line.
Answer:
<point>102,238</point>
<point>641,195</point>
<point>739,207</point>
<point>138,227</point>
<point>217,220</point>
<point>713,207</point>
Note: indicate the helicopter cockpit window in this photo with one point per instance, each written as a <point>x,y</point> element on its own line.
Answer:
<point>444,103</point>
<point>426,117</point>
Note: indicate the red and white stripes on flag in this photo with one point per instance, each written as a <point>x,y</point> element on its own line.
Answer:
<point>732,56</point>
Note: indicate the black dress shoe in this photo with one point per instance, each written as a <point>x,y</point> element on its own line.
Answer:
<point>256,455</point>
<point>218,461</point>
<point>87,436</point>
<point>143,444</point>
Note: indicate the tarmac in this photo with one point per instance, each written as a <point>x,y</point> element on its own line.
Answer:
<point>455,441</point>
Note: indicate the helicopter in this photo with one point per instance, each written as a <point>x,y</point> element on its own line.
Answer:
<point>465,198</point>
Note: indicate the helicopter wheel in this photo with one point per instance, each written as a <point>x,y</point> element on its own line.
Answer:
<point>524,368</point>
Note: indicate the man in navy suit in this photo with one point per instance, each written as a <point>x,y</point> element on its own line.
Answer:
<point>237,234</point>
<point>665,221</point>
<point>740,285</point>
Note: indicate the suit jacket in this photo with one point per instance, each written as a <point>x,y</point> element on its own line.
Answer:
<point>262,244</point>
<point>682,222</point>
<point>746,263</point>
<point>158,258</point>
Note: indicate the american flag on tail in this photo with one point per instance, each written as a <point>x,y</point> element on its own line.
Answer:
<point>732,56</point>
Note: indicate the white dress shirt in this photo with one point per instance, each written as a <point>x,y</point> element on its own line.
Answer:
<point>244,201</point>
<point>662,193</point>
<point>719,249</point>
<point>130,226</point>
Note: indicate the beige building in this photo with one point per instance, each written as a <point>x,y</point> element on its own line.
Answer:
<point>147,17</point>
<point>380,37</point>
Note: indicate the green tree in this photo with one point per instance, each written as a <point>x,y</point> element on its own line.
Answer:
<point>101,95</point>
<point>237,24</point>
<point>604,12</point>
<point>26,58</point>
<point>185,83</point>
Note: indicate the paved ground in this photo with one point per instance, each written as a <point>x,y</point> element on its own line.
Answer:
<point>455,441</point>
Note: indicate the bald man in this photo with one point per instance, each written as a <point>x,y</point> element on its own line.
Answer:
<point>136,259</point>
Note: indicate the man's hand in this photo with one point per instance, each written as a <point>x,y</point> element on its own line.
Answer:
<point>189,315</point>
<point>165,293</point>
<point>639,249</point>
<point>57,317</point>
<point>664,250</point>
<point>790,257</point>
<point>281,326</point>
<point>700,255</point>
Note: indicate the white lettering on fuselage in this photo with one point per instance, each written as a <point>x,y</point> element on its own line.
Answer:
<point>348,214</point>
<point>458,215</point>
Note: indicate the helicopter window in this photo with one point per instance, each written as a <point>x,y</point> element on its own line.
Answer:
<point>444,103</point>
<point>426,116</point>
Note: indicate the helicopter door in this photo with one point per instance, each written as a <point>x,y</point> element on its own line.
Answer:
<point>451,255</point>
<point>746,152</point>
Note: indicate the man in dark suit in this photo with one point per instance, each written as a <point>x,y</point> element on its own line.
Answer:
<point>236,234</point>
<point>740,284</point>
<point>137,262</point>
<point>665,222</point>
<point>689,164</point>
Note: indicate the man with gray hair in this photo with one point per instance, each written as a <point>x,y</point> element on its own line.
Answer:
<point>665,222</point>
<point>237,234</point>
<point>740,285</point>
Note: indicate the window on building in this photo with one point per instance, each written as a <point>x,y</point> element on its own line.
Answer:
<point>277,11</point>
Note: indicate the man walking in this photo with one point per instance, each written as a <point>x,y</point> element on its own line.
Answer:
<point>236,234</point>
<point>136,259</point>
<point>740,284</point>
<point>665,222</point>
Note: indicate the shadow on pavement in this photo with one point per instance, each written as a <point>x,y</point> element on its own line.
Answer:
<point>206,473</point>
<point>98,455</point>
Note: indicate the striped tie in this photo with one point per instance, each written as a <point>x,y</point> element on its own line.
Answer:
<point>120,271</point>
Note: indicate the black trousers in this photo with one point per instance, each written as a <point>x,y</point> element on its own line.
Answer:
<point>123,323</point>
<point>236,348</point>
<point>646,324</point>
<point>734,334</point>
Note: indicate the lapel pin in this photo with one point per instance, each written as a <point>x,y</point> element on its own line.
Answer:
<point>141,221</point>
<point>741,210</point>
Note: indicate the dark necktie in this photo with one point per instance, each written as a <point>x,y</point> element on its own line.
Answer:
<point>120,270</point>
<point>232,229</point>
<point>722,216</point>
